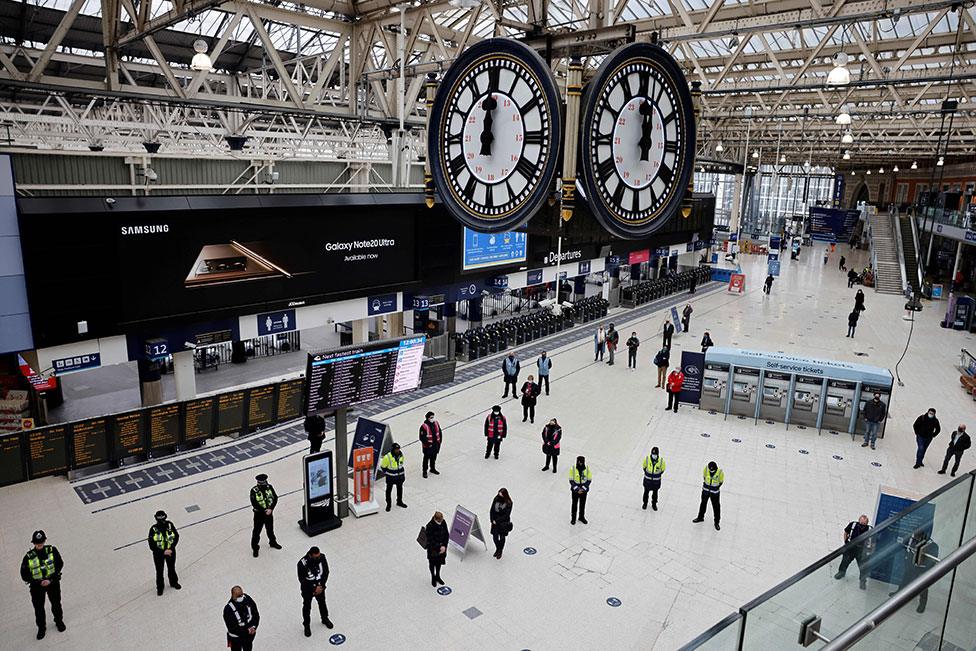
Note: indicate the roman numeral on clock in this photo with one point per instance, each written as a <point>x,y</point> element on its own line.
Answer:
<point>603,139</point>
<point>489,196</point>
<point>605,168</point>
<point>533,137</point>
<point>642,84</point>
<point>525,168</point>
<point>671,146</point>
<point>470,186</point>
<point>618,193</point>
<point>458,164</point>
<point>528,106</point>
<point>493,73</point>
<point>454,138</point>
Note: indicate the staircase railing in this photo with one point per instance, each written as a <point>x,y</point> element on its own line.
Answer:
<point>899,246</point>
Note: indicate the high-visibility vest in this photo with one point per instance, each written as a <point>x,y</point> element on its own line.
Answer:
<point>712,483</point>
<point>164,539</point>
<point>653,469</point>
<point>264,496</point>
<point>392,465</point>
<point>576,478</point>
<point>41,569</point>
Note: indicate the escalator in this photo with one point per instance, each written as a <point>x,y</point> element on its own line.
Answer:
<point>911,256</point>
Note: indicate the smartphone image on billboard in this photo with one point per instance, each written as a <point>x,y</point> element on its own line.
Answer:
<point>230,263</point>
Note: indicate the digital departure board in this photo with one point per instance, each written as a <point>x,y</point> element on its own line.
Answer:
<point>164,426</point>
<point>290,399</point>
<point>230,413</point>
<point>353,374</point>
<point>89,442</point>
<point>130,434</point>
<point>260,407</point>
<point>47,450</point>
<point>198,419</point>
<point>11,459</point>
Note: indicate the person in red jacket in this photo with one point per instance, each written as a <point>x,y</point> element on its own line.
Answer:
<point>496,427</point>
<point>430,440</point>
<point>675,380</point>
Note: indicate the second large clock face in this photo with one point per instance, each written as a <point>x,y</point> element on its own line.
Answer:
<point>637,140</point>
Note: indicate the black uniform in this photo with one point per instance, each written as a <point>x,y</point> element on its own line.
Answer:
<point>50,566</point>
<point>856,553</point>
<point>313,572</point>
<point>162,536</point>
<point>315,428</point>
<point>667,333</point>
<point>239,617</point>
<point>262,519</point>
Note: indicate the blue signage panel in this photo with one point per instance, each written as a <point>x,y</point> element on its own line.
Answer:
<point>693,366</point>
<point>493,249</point>
<point>584,267</point>
<point>887,560</point>
<point>676,320</point>
<point>156,348</point>
<point>420,303</point>
<point>76,363</point>
<point>839,182</point>
<point>468,291</point>
<point>369,434</point>
<point>271,323</point>
<point>533,277</point>
<point>772,267</point>
<point>383,304</point>
<point>613,261</point>
<point>498,282</point>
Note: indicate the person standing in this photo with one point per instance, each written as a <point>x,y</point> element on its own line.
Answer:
<point>851,278</point>
<point>632,344</point>
<point>675,380</point>
<point>713,477</point>
<point>911,571</point>
<point>653,470</point>
<point>41,571</point>
<point>662,360</point>
<point>706,342</point>
<point>843,264</point>
<point>958,443</point>
<point>826,254</point>
<point>162,539</point>
<point>852,323</point>
<point>313,573</point>
<point>510,370</point>
<point>500,515</point>
<point>315,429</point>
<point>859,301</point>
<point>437,538</point>
<point>693,283</point>
<point>768,285</point>
<point>599,343</point>
<point>686,317</point>
<point>530,395</point>
<point>430,441</point>
<point>392,465</point>
<point>668,332</point>
<point>496,428</point>
<point>579,485</point>
<point>544,365</point>
<point>264,499</point>
<point>853,531</point>
<point>875,412</point>
<point>552,434</point>
<point>241,617</point>
<point>926,428</point>
<point>613,338</point>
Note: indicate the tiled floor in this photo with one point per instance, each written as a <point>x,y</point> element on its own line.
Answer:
<point>628,579</point>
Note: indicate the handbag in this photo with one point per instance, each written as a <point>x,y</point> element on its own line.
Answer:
<point>507,527</point>
<point>422,537</point>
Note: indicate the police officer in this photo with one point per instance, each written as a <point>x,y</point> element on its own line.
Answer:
<point>313,572</point>
<point>264,499</point>
<point>392,465</point>
<point>241,618</point>
<point>579,486</point>
<point>857,553</point>
<point>430,441</point>
<point>653,469</point>
<point>713,478</point>
<point>41,570</point>
<point>163,537</point>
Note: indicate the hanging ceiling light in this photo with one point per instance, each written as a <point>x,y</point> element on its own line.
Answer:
<point>880,170</point>
<point>840,75</point>
<point>719,148</point>
<point>895,168</point>
<point>734,41</point>
<point>868,172</point>
<point>844,117</point>
<point>914,165</point>
<point>853,173</point>
<point>755,153</point>
<point>782,159</point>
<point>201,60</point>
<point>847,155</point>
<point>941,161</point>
<point>847,138</point>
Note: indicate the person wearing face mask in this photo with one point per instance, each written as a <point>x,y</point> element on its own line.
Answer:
<point>496,428</point>
<point>41,571</point>
<point>437,538</point>
<point>241,618</point>
<point>530,395</point>
<point>552,434</point>
<point>430,441</point>
<point>926,428</point>
<point>313,573</point>
<point>632,344</point>
<point>510,371</point>
<point>501,520</point>
<point>653,470</point>
<point>958,444</point>
<point>544,364</point>
<point>875,412</point>
<point>613,337</point>
<point>163,538</point>
<point>706,342</point>
<point>579,486</point>
<point>853,531</point>
<point>712,479</point>
<point>392,466</point>
<point>599,343</point>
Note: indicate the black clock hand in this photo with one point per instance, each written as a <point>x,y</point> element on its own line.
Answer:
<point>647,125</point>
<point>487,137</point>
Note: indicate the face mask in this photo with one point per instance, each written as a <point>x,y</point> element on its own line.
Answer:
<point>931,415</point>
<point>430,420</point>
<point>239,599</point>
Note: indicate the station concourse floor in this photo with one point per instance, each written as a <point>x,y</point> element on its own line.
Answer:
<point>781,509</point>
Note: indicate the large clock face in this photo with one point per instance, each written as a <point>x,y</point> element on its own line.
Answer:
<point>637,140</point>
<point>493,136</point>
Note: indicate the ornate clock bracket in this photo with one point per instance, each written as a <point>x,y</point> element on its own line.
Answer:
<point>574,88</point>
<point>696,108</point>
<point>430,88</point>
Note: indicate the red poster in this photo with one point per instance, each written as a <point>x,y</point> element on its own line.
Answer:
<point>636,257</point>
<point>737,283</point>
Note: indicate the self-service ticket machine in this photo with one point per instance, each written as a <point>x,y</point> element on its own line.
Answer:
<point>745,390</point>
<point>715,386</point>
<point>838,406</point>
<point>774,396</point>
<point>867,393</point>
<point>807,396</point>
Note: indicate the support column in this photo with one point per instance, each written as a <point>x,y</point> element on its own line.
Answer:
<point>955,264</point>
<point>736,203</point>
<point>579,285</point>
<point>635,270</point>
<point>184,375</point>
<point>928,253</point>
<point>474,312</point>
<point>450,317</point>
<point>393,325</point>
<point>360,331</point>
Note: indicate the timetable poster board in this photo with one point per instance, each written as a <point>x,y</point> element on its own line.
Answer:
<point>47,450</point>
<point>89,442</point>
<point>260,408</point>
<point>230,413</point>
<point>361,372</point>
<point>12,468</point>
<point>130,434</point>
<point>198,419</point>
<point>164,426</point>
<point>290,395</point>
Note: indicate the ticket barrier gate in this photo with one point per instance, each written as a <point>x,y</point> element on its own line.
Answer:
<point>745,390</point>
<point>774,396</point>
<point>715,387</point>
<point>838,406</point>
<point>807,395</point>
<point>867,394</point>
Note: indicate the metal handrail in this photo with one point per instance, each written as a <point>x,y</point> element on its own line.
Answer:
<point>918,251</point>
<point>899,246</point>
<point>860,629</point>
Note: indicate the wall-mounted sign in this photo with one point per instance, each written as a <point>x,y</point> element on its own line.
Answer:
<point>637,257</point>
<point>383,304</point>
<point>483,250</point>
<point>533,277</point>
<point>76,363</point>
<point>584,267</point>
<point>498,282</point>
<point>156,348</point>
<point>271,323</point>
<point>420,303</point>
<point>468,291</point>
<point>211,338</point>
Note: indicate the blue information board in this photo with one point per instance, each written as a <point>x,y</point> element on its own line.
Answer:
<point>271,323</point>
<point>887,562</point>
<point>483,250</point>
